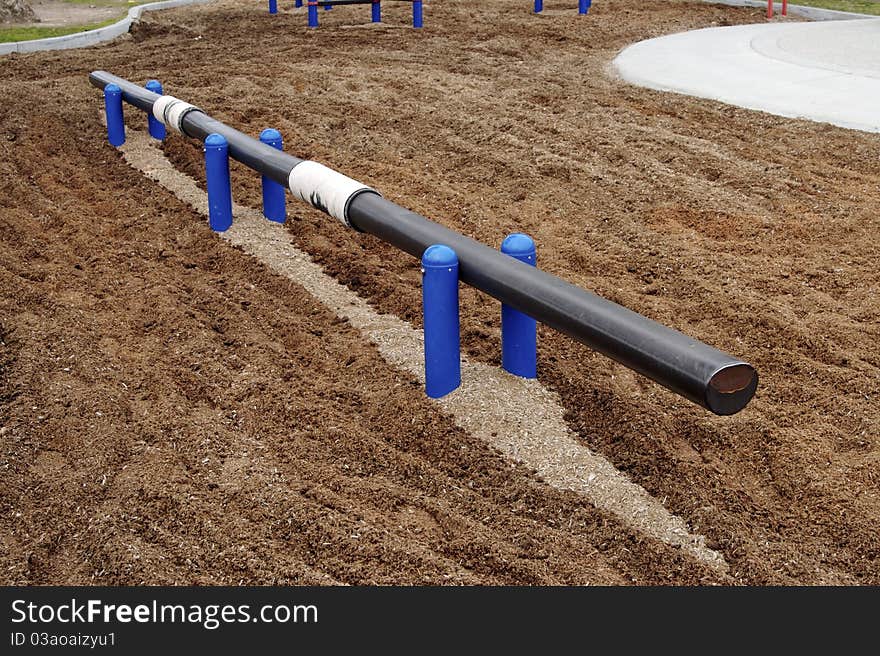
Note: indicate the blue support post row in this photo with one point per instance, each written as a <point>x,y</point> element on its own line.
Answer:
<point>313,13</point>
<point>417,13</point>
<point>696,371</point>
<point>274,195</point>
<point>584,6</point>
<point>440,304</point>
<point>219,186</point>
<point>519,331</point>
<point>539,6</point>
<point>113,112</point>
<point>156,127</point>
<point>273,6</point>
<point>377,11</point>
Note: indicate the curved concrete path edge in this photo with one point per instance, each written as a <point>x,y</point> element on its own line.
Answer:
<point>92,37</point>
<point>823,71</point>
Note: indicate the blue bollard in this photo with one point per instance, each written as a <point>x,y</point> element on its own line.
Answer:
<point>219,187</point>
<point>539,6</point>
<point>113,111</point>
<point>298,3</point>
<point>440,305</point>
<point>377,11</point>
<point>584,6</point>
<point>273,6</point>
<point>519,352</point>
<point>157,128</point>
<point>313,13</point>
<point>417,13</point>
<point>274,200</point>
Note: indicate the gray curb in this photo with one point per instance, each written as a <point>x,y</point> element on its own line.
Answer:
<point>812,13</point>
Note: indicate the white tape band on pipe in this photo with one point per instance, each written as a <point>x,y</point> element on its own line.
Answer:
<point>175,112</point>
<point>170,111</point>
<point>160,105</point>
<point>325,189</point>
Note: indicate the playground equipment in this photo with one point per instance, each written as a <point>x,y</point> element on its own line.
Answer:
<point>583,6</point>
<point>708,377</point>
<point>376,15</point>
<point>770,8</point>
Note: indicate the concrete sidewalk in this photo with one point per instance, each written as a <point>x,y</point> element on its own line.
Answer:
<point>827,72</point>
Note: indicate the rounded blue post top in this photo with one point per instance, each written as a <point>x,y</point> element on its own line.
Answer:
<point>518,245</point>
<point>156,127</point>
<point>215,140</point>
<point>111,89</point>
<point>270,136</point>
<point>439,256</point>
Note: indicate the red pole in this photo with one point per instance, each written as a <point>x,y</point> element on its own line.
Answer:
<point>785,7</point>
<point>769,8</point>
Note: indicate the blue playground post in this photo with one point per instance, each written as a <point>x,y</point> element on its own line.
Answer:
<point>274,199</point>
<point>417,13</point>
<point>273,6</point>
<point>113,111</point>
<point>440,304</point>
<point>313,13</point>
<point>219,187</point>
<point>584,6</point>
<point>539,6</point>
<point>157,128</point>
<point>328,7</point>
<point>519,331</point>
<point>298,3</point>
<point>377,11</point>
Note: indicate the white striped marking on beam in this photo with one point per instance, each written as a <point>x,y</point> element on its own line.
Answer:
<point>532,431</point>
<point>325,189</point>
<point>170,111</point>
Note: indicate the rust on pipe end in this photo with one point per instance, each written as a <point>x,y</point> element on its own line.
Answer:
<point>731,388</point>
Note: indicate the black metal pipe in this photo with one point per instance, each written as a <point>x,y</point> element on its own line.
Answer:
<point>324,3</point>
<point>269,161</point>
<point>696,371</point>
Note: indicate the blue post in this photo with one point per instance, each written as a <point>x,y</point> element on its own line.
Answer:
<point>113,111</point>
<point>417,13</point>
<point>219,188</point>
<point>377,11</point>
<point>157,128</point>
<point>519,331</point>
<point>273,6</point>
<point>274,200</point>
<point>584,6</point>
<point>328,7</point>
<point>539,6</point>
<point>298,3</point>
<point>440,304</point>
<point>313,13</point>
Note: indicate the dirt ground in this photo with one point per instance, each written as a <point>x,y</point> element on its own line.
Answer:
<point>174,412</point>
<point>59,12</point>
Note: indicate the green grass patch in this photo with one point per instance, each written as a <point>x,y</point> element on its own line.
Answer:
<point>10,34</point>
<point>855,6</point>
